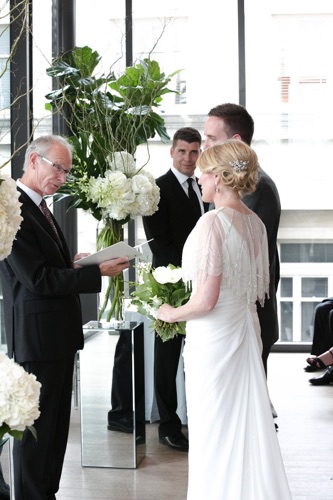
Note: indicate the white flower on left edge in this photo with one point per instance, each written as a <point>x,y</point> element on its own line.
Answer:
<point>10,214</point>
<point>19,396</point>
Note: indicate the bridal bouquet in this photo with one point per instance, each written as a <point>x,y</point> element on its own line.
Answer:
<point>19,399</point>
<point>163,285</point>
<point>10,214</point>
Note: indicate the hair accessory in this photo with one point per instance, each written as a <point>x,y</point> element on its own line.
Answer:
<point>239,165</point>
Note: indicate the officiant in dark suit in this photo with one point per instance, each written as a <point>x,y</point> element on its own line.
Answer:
<point>179,209</point>
<point>43,322</point>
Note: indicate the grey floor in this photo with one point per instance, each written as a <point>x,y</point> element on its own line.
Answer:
<point>305,416</point>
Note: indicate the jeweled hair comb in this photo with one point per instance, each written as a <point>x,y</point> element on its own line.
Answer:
<point>239,165</point>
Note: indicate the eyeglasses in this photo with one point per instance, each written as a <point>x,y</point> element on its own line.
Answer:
<point>57,168</point>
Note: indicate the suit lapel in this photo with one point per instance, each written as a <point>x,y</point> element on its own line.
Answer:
<point>174,184</point>
<point>41,219</point>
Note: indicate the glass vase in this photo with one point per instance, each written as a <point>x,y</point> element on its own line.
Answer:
<point>113,303</point>
<point>5,469</point>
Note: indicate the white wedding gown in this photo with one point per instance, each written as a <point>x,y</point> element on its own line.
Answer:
<point>233,448</point>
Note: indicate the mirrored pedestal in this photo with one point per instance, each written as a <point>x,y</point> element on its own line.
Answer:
<point>111,368</point>
<point>6,469</point>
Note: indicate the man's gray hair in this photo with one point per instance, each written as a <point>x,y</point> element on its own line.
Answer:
<point>43,144</point>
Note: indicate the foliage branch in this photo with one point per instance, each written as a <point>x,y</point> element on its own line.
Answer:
<point>105,113</point>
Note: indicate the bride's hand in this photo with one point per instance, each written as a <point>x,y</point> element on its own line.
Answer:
<point>164,313</point>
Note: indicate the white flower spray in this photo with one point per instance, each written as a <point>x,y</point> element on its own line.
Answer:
<point>10,214</point>
<point>19,398</point>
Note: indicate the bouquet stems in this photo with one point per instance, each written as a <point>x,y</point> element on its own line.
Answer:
<point>112,233</point>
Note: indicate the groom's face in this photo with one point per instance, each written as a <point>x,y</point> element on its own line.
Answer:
<point>215,131</point>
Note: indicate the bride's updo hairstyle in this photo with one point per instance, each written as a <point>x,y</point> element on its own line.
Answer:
<point>234,162</point>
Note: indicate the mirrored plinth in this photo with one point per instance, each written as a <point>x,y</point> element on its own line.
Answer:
<point>6,469</point>
<point>111,368</point>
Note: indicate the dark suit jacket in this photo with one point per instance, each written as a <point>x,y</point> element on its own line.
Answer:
<point>171,224</point>
<point>265,202</point>
<point>40,289</point>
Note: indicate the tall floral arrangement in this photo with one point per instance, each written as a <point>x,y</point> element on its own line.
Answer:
<point>108,116</point>
<point>10,214</point>
<point>121,193</point>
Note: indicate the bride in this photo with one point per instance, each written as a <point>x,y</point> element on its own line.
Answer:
<point>233,448</point>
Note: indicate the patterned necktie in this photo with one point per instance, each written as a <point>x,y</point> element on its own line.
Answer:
<point>195,204</point>
<point>44,208</point>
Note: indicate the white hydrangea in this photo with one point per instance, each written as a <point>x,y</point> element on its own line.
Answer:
<point>141,184</point>
<point>122,162</point>
<point>121,195</point>
<point>147,194</point>
<point>19,395</point>
<point>10,214</point>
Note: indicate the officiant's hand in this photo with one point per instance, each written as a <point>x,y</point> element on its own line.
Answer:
<point>79,256</point>
<point>114,266</point>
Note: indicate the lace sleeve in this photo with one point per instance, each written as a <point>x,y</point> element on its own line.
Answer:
<point>228,243</point>
<point>202,254</point>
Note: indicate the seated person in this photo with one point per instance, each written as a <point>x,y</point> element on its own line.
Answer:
<point>322,332</point>
<point>324,360</point>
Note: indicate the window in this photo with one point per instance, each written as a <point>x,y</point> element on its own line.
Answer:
<point>297,297</point>
<point>5,78</point>
<point>306,252</point>
<point>306,279</point>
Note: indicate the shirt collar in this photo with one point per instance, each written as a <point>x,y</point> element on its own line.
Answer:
<point>36,198</point>
<point>181,177</point>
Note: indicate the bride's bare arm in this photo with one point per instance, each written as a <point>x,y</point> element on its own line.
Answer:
<point>200,303</point>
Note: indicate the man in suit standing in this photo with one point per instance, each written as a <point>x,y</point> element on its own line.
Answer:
<point>169,227</point>
<point>232,121</point>
<point>41,287</point>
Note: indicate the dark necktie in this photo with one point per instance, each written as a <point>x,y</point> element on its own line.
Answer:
<point>44,208</point>
<point>195,204</point>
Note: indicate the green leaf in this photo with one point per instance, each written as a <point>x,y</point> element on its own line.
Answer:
<point>86,59</point>
<point>16,434</point>
<point>33,431</point>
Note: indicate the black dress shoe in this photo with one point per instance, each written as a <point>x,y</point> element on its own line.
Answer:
<point>179,443</point>
<point>121,425</point>
<point>325,379</point>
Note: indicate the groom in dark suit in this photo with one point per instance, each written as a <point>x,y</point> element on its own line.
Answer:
<point>43,322</point>
<point>169,227</point>
<point>232,121</point>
